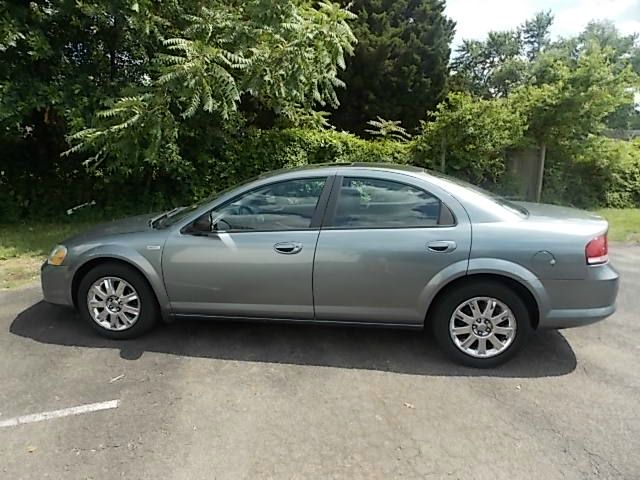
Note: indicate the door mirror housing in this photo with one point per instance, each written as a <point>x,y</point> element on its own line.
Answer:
<point>209,223</point>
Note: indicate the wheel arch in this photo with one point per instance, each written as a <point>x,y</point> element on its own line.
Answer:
<point>514,276</point>
<point>521,290</point>
<point>144,268</point>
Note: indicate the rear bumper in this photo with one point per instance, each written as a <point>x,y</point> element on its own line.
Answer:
<point>575,317</point>
<point>581,302</point>
<point>56,284</point>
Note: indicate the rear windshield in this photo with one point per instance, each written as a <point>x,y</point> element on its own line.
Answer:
<point>497,200</point>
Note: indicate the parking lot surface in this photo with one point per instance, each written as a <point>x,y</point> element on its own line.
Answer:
<point>201,400</point>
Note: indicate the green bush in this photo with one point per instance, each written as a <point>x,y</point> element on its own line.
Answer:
<point>598,172</point>
<point>471,135</point>
<point>212,164</point>
<point>263,150</point>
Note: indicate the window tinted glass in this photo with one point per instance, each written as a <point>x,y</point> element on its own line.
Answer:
<point>279,206</point>
<point>373,203</point>
<point>480,193</point>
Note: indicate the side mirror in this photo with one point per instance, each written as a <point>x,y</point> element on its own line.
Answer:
<point>209,223</point>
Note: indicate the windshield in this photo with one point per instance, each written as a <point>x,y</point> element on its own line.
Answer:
<point>178,214</point>
<point>174,216</point>
<point>494,198</point>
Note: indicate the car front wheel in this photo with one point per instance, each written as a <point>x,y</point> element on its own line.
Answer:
<point>481,324</point>
<point>117,301</point>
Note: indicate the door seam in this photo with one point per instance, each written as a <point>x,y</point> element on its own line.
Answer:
<point>315,250</point>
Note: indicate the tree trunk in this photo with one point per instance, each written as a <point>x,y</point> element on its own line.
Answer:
<point>541,158</point>
<point>443,155</point>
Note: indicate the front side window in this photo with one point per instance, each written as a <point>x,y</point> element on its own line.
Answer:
<point>375,203</point>
<point>288,205</point>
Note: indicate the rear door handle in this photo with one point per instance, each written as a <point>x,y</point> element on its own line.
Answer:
<point>288,248</point>
<point>442,246</point>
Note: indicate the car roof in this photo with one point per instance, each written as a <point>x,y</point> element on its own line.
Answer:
<point>331,166</point>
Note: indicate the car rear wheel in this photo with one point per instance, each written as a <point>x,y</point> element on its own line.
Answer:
<point>117,301</point>
<point>481,324</point>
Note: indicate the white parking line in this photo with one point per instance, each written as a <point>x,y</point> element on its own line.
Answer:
<point>65,412</point>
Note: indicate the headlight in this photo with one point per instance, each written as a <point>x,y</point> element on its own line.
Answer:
<point>57,255</point>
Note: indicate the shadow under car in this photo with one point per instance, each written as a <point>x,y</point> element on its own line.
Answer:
<point>401,351</point>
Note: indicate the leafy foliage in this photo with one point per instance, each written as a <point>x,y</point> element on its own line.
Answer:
<point>599,171</point>
<point>387,129</point>
<point>400,67</point>
<point>470,137</point>
<point>563,91</point>
<point>570,96</point>
<point>498,65</point>
<point>284,56</point>
<point>193,96</point>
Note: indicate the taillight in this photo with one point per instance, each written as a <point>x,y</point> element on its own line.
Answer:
<point>597,250</point>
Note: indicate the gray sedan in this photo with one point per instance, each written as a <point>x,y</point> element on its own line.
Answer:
<point>358,244</point>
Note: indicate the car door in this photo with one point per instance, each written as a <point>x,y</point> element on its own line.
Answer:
<point>259,261</point>
<point>385,238</point>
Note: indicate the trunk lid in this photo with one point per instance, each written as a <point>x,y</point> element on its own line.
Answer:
<point>572,220</point>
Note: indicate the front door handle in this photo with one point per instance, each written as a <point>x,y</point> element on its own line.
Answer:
<point>442,246</point>
<point>288,248</point>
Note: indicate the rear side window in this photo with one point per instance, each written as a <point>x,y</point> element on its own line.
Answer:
<point>375,203</point>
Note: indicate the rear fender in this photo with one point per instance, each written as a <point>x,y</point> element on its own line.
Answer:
<point>514,271</point>
<point>490,266</point>
<point>438,282</point>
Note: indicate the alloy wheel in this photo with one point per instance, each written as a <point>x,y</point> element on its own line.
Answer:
<point>113,303</point>
<point>482,327</point>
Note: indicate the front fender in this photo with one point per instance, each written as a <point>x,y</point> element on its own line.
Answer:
<point>149,266</point>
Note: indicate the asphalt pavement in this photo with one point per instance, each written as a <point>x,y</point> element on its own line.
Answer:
<point>208,400</point>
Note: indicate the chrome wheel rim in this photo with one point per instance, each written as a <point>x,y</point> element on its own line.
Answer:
<point>482,327</point>
<point>113,303</point>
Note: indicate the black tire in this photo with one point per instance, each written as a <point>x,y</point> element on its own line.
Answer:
<point>449,302</point>
<point>148,304</point>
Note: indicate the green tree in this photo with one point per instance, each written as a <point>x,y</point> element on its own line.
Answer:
<point>623,51</point>
<point>61,60</point>
<point>169,80</point>
<point>496,66</point>
<point>400,66</point>
<point>568,98</point>
<point>468,137</point>
<point>535,34</point>
<point>490,68</point>
<point>564,90</point>
<point>387,129</point>
<point>284,56</point>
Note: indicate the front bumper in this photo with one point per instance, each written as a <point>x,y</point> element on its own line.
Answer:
<point>56,284</point>
<point>581,302</point>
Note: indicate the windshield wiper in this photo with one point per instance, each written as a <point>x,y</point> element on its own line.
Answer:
<point>164,215</point>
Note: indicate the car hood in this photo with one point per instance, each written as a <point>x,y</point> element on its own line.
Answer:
<point>139,223</point>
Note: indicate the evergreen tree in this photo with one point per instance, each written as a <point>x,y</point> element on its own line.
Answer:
<point>400,67</point>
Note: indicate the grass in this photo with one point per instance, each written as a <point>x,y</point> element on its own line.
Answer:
<point>23,248</point>
<point>624,223</point>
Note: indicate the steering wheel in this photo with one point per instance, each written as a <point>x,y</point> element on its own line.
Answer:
<point>222,222</point>
<point>245,210</point>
